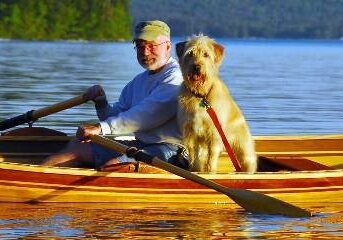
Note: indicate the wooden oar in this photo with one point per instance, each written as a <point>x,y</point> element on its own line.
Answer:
<point>36,114</point>
<point>253,202</point>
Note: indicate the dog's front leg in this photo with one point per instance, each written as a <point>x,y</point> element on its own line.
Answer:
<point>214,150</point>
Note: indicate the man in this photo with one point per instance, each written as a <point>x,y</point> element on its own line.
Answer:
<point>146,107</point>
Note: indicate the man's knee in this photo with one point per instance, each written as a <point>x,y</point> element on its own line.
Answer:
<point>81,151</point>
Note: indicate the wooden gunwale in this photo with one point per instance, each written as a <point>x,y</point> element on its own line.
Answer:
<point>311,145</point>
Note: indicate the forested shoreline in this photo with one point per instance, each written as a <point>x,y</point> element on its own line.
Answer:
<point>65,19</point>
<point>112,20</point>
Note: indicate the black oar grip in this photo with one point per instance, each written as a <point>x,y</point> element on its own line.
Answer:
<point>15,121</point>
<point>139,155</point>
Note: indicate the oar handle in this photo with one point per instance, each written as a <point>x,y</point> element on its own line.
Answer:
<point>107,143</point>
<point>59,107</point>
<point>36,114</point>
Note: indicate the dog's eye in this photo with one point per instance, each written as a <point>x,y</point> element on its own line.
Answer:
<point>206,55</point>
<point>189,55</point>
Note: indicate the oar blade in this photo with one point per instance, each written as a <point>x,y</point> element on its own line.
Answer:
<point>251,201</point>
<point>255,202</point>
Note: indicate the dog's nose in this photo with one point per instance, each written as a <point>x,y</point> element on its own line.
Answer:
<point>196,69</point>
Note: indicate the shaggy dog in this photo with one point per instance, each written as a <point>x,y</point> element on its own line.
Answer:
<point>200,58</point>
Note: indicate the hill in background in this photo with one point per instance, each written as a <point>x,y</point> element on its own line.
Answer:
<point>246,18</point>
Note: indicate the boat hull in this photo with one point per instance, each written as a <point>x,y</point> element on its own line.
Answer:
<point>31,184</point>
<point>295,169</point>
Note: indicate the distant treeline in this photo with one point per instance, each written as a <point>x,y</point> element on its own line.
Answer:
<point>247,18</point>
<point>113,19</point>
<point>65,19</point>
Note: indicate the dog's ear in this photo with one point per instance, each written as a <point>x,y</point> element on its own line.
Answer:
<point>180,48</point>
<point>219,53</point>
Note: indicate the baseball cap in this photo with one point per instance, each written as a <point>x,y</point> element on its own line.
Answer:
<point>151,30</point>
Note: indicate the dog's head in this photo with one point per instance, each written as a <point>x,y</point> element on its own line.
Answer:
<point>199,58</point>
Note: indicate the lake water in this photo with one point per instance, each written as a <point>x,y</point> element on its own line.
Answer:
<point>282,87</point>
<point>163,221</point>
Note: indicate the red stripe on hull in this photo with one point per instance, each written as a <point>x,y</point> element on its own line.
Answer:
<point>163,183</point>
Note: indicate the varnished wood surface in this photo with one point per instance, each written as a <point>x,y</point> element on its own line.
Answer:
<point>23,183</point>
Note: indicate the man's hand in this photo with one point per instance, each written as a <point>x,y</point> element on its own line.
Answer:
<point>86,130</point>
<point>97,94</point>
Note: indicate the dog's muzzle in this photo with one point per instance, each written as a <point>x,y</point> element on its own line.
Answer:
<point>195,74</point>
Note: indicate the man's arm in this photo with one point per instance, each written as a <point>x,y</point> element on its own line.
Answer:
<point>153,111</point>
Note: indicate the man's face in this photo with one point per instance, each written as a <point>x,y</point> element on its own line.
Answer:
<point>152,55</point>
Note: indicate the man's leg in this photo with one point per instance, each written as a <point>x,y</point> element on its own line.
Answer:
<point>75,155</point>
<point>112,157</point>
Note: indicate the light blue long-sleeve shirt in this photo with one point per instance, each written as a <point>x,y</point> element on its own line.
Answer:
<point>146,107</point>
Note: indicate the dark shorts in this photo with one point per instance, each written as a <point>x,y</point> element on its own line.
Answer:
<point>168,152</point>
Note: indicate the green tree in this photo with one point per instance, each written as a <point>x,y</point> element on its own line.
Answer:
<point>65,19</point>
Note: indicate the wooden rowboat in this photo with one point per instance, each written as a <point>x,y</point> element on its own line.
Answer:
<point>296,169</point>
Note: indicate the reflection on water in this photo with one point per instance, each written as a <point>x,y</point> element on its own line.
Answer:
<point>283,87</point>
<point>139,221</point>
